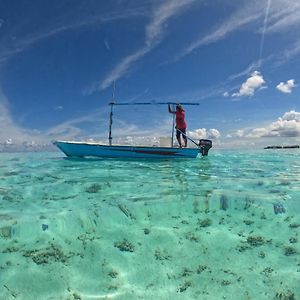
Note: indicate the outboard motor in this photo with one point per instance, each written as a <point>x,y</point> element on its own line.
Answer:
<point>205,145</point>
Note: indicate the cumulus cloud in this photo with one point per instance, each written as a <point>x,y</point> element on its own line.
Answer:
<point>252,84</point>
<point>286,87</point>
<point>286,126</point>
<point>203,133</point>
<point>240,133</point>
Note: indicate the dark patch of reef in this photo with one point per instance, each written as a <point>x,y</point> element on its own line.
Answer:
<point>283,147</point>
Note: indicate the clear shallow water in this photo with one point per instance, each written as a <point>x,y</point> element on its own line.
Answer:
<point>184,229</point>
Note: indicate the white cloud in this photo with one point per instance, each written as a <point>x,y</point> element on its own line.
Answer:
<point>106,45</point>
<point>203,133</point>
<point>286,87</point>
<point>92,126</point>
<point>12,133</point>
<point>18,38</point>
<point>278,16</point>
<point>8,142</point>
<point>293,51</point>
<point>242,17</point>
<point>9,130</point>
<point>291,115</point>
<point>213,134</point>
<point>240,133</point>
<point>285,14</point>
<point>13,137</point>
<point>226,94</point>
<point>286,126</point>
<point>154,32</point>
<point>248,88</point>
<point>284,131</point>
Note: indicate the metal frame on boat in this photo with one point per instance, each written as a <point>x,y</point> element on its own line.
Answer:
<point>88,149</point>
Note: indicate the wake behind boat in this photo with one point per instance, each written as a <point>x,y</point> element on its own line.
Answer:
<point>90,149</point>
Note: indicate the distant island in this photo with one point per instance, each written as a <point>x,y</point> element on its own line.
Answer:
<point>282,147</point>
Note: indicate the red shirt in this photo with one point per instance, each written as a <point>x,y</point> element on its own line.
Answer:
<point>180,121</point>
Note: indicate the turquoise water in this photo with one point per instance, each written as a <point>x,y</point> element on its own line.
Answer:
<point>184,229</point>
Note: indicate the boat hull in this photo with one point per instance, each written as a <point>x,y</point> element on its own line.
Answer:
<point>82,149</point>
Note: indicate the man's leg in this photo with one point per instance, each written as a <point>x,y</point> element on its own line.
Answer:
<point>178,138</point>
<point>183,131</point>
<point>185,141</point>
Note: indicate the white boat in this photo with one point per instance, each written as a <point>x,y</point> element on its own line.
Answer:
<point>88,149</point>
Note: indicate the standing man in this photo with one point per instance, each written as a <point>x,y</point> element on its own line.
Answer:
<point>180,124</point>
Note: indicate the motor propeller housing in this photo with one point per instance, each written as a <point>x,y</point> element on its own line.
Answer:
<point>205,145</point>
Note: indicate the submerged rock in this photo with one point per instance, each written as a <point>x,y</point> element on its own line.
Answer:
<point>293,240</point>
<point>294,225</point>
<point>6,232</point>
<point>267,271</point>
<point>225,282</point>
<point>286,295</point>
<point>113,274</point>
<point>279,208</point>
<point>162,255</point>
<point>248,222</point>
<point>248,202</point>
<point>45,227</point>
<point>76,296</point>
<point>184,286</point>
<point>124,246</point>
<point>255,240</point>
<point>47,255</point>
<point>201,269</point>
<point>205,222</point>
<point>289,251</point>
<point>94,188</point>
<point>186,272</point>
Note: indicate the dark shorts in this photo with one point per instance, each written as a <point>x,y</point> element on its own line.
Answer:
<point>179,131</point>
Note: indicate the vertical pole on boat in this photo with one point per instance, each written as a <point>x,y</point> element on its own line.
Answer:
<point>110,123</point>
<point>111,115</point>
<point>172,139</point>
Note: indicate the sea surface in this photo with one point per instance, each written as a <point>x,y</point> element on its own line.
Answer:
<point>226,226</point>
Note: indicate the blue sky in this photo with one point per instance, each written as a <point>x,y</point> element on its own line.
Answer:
<point>238,59</point>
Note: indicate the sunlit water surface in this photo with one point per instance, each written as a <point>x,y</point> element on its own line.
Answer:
<point>224,226</point>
